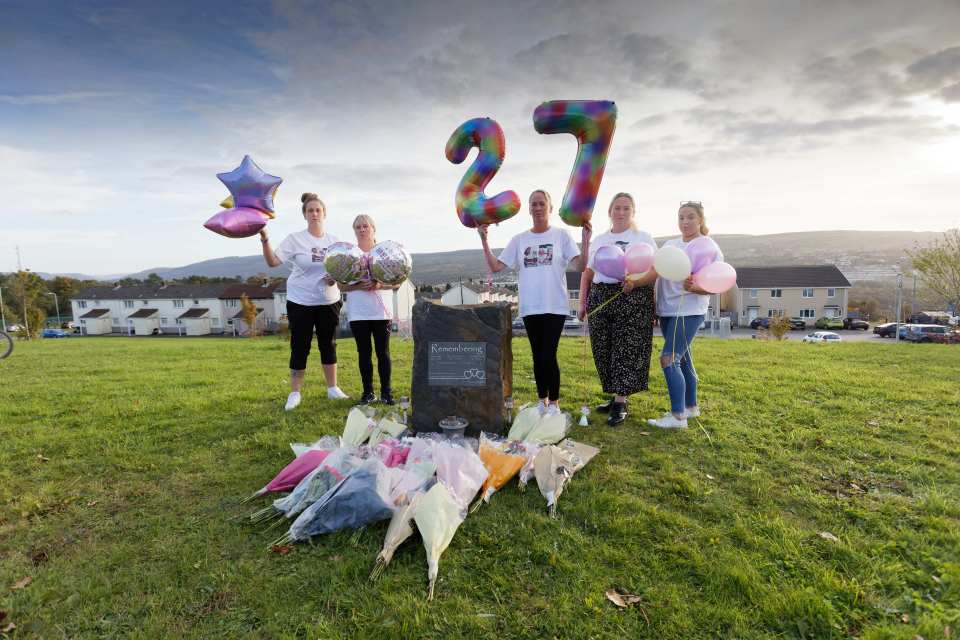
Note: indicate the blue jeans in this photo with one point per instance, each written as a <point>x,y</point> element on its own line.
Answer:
<point>681,377</point>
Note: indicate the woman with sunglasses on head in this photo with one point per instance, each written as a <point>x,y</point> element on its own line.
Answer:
<point>681,307</point>
<point>369,305</point>
<point>620,314</point>
<point>540,257</point>
<point>313,299</point>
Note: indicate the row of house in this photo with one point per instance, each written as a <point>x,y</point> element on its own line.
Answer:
<point>806,291</point>
<point>195,309</point>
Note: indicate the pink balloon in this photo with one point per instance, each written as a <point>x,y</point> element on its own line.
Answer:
<point>610,261</point>
<point>702,251</point>
<point>639,258</point>
<point>240,222</point>
<point>716,277</point>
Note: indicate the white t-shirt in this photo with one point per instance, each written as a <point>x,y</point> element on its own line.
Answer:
<point>370,305</point>
<point>623,240</point>
<point>540,260</point>
<point>305,253</point>
<point>673,299</point>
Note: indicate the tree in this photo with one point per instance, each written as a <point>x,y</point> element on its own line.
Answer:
<point>154,279</point>
<point>249,311</point>
<point>24,300</point>
<point>65,288</point>
<point>939,266</point>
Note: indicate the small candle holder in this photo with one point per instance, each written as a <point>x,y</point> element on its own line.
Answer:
<point>508,404</point>
<point>404,403</point>
<point>584,412</point>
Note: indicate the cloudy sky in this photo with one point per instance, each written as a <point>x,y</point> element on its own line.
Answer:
<point>779,116</point>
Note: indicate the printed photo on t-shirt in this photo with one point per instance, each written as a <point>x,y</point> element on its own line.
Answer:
<point>317,254</point>
<point>540,256</point>
<point>623,244</point>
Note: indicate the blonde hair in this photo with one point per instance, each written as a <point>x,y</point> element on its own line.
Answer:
<point>365,218</point>
<point>633,218</point>
<point>698,207</point>
<point>545,195</point>
<point>310,197</point>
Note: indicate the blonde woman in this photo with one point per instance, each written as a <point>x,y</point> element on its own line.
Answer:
<point>313,299</point>
<point>541,257</point>
<point>368,309</point>
<point>621,330</point>
<point>681,307</point>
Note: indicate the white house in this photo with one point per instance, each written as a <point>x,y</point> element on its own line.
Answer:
<point>261,295</point>
<point>116,305</point>
<point>95,322</point>
<point>196,321</point>
<point>145,321</point>
<point>468,293</point>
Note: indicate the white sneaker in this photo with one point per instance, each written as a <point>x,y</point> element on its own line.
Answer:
<point>553,409</point>
<point>541,408</point>
<point>668,421</point>
<point>293,401</point>
<point>692,412</point>
<point>335,393</point>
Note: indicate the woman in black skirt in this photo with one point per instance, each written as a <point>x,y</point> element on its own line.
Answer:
<point>621,332</point>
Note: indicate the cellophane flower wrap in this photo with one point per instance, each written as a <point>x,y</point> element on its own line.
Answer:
<point>386,428</point>
<point>357,429</point>
<point>313,487</point>
<point>438,517</point>
<point>556,464</point>
<point>304,463</point>
<point>461,470</point>
<point>526,419</point>
<point>399,530</point>
<point>502,464</point>
<point>549,429</point>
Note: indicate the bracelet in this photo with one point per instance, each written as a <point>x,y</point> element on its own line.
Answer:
<point>264,240</point>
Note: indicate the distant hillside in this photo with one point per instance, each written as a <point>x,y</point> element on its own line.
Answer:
<point>861,255</point>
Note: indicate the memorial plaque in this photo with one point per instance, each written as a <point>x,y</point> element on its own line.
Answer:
<point>462,365</point>
<point>458,364</point>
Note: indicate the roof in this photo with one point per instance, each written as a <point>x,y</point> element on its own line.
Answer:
<point>146,312</point>
<point>96,313</point>
<point>253,291</point>
<point>240,314</point>
<point>195,312</point>
<point>153,292</point>
<point>824,275</point>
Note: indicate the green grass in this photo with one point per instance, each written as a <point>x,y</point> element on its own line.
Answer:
<point>121,462</point>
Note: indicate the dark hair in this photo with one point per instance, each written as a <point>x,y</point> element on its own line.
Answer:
<point>309,197</point>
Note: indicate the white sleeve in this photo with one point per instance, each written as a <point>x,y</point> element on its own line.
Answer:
<point>509,254</point>
<point>648,238</point>
<point>570,248</point>
<point>285,250</point>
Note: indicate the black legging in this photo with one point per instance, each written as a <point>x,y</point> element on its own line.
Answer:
<point>303,320</point>
<point>543,331</point>
<point>380,330</point>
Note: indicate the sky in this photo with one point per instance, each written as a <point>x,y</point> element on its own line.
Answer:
<point>115,117</point>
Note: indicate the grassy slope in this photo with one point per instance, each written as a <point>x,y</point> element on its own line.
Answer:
<point>146,444</point>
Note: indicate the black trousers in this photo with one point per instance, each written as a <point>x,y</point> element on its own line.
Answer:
<point>543,331</point>
<point>304,320</point>
<point>379,330</point>
<point>621,336</point>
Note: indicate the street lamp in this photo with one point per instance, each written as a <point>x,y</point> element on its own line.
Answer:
<point>899,303</point>
<point>56,301</point>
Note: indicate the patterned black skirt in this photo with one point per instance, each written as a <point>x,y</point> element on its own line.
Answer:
<point>621,336</point>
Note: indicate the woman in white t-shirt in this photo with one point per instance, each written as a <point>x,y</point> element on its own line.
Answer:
<point>621,330</point>
<point>681,307</point>
<point>540,257</point>
<point>369,305</point>
<point>313,299</point>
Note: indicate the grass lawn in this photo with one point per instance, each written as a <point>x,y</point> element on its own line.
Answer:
<point>122,460</point>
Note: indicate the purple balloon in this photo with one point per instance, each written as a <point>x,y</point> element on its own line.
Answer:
<point>250,186</point>
<point>240,222</point>
<point>610,261</point>
<point>702,251</point>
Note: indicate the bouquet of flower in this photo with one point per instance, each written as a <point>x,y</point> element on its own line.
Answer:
<point>438,517</point>
<point>526,419</point>
<point>556,464</point>
<point>386,428</point>
<point>501,463</point>
<point>303,464</point>
<point>400,528</point>
<point>549,429</point>
<point>461,470</point>
<point>358,428</point>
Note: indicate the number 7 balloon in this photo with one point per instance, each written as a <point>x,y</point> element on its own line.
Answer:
<point>593,123</point>
<point>473,206</point>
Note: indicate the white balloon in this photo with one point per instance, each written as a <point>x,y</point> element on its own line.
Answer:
<point>672,263</point>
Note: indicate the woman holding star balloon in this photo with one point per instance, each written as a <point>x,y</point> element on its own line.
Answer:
<point>313,299</point>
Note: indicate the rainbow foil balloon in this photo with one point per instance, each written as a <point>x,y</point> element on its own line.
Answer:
<point>473,206</point>
<point>593,123</point>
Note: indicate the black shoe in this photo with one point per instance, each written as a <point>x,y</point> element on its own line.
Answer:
<point>618,414</point>
<point>605,407</point>
<point>387,398</point>
<point>367,397</point>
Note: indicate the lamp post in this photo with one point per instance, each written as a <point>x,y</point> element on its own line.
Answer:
<point>899,303</point>
<point>3,318</point>
<point>56,301</point>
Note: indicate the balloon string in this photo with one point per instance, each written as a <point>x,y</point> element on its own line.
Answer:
<point>620,293</point>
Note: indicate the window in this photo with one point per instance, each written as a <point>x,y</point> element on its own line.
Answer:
<point>831,293</point>
<point>128,304</point>
<point>143,303</point>
<point>83,323</point>
<point>195,301</point>
<point>774,313</point>
<point>808,313</point>
<point>164,320</point>
<point>776,293</point>
<point>754,293</point>
<point>178,304</point>
<point>82,304</point>
<point>575,295</point>
<point>282,298</point>
<point>808,293</point>
<point>179,321</point>
<point>232,303</point>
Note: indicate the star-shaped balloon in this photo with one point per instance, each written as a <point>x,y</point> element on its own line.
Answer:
<point>251,186</point>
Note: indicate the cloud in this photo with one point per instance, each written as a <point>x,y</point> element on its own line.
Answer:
<point>56,98</point>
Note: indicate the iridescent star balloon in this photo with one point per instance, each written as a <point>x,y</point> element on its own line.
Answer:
<point>251,186</point>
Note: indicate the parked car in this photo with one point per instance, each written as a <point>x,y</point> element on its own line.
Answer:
<point>573,323</point>
<point>886,330</point>
<point>821,336</point>
<point>518,324</point>
<point>855,323</point>
<point>951,337</point>
<point>798,324</point>
<point>829,323</point>
<point>923,332</point>
<point>55,333</point>
<point>760,323</point>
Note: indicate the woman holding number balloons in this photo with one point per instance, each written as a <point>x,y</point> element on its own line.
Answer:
<point>681,305</point>
<point>540,257</point>
<point>313,299</point>
<point>616,293</point>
